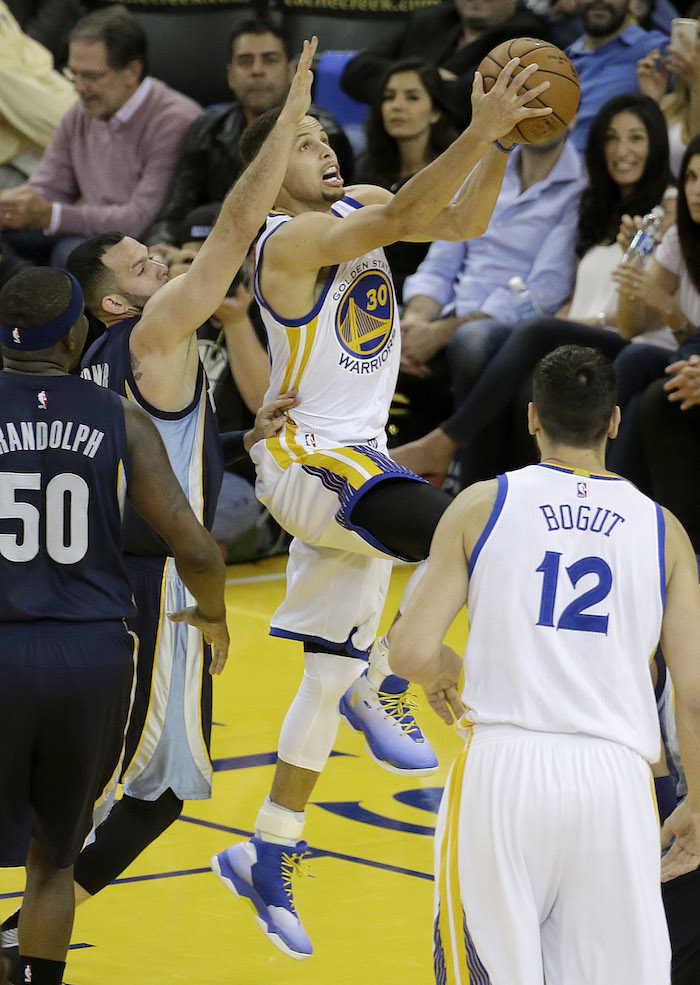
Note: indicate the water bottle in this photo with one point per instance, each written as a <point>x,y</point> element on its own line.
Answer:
<point>644,240</point>
<point>524,304</point>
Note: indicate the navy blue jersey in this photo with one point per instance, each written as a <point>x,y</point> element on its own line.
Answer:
<point>63,475</point>
<point>190,436</point>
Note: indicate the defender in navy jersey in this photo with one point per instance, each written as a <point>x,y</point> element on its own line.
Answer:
<point>547,863</point>
<point>70,454</point>
<point>149,354</point>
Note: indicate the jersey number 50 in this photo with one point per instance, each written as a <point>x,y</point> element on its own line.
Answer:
<point>66,526</point>
<point>574,615</point>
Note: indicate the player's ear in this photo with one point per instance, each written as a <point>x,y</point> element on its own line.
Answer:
<point>614,425</point>
<point>114,304</point>
<point>533,420</point>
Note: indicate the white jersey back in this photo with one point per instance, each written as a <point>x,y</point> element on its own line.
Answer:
<point>565,601</point>
<point>344,355</point>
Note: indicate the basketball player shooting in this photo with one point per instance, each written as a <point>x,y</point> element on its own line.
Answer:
<point>328,304</point>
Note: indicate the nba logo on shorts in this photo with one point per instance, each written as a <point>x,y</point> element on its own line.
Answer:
<point>15,336</point>
<point>43,399</point>
<point>581,490</point>
<point>28,974</point>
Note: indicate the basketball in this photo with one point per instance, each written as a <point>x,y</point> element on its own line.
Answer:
<point>553,67</point>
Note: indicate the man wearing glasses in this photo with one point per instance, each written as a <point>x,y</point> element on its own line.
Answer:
<point>111,160</point>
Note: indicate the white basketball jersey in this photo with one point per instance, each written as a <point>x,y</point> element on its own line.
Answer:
<point>344,355</point>
<point>565,601</point>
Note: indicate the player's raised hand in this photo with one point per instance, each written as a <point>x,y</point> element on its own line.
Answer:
<point>298,100</point>
<point>683,826</point>
<point>214,631</point>
<point>497,111</point>
<point>270,418</point>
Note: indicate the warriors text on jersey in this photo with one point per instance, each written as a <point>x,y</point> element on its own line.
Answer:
<point>63,471</point>
<point>344,355</point>
<point>566,594</point>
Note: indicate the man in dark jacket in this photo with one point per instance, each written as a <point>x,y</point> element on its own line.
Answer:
<point>454,37</point>
<point>259,75</point>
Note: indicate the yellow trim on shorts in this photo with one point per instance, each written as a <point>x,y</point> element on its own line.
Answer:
<point>451,915</point>
<point>332,459</point>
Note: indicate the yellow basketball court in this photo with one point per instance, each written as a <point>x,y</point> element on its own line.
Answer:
<point>368,909</point>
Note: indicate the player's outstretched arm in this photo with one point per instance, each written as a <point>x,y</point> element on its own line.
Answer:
<point>416,649</point>
<point>157,495</point>
<point>180,307</point>
<point>314,241</point>
<point>680,641</point>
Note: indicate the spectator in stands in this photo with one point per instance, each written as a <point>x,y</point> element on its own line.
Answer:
<point>407,127</point>
<point>33,99</point>
<point>259,75</point>
<point>606,57</point>
<point>681,106</point>
<point>454,37</point>
<point>668,291</point>
<point>110,162</point>
<point>532,233</point>
<point>49,22</point>
<point>627,165</point>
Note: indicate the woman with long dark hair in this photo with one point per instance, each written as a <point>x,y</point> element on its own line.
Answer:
<point>407,127</point>
<point>627,160</point>
<point>669,291</point>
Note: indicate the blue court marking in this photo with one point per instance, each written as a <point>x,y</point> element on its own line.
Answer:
<point>352,810</point>
<point>78,947</point>
<point>255,759</point>
<point>425,798</point>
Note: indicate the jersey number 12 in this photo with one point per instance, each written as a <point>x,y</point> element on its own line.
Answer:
<point>574,615</point>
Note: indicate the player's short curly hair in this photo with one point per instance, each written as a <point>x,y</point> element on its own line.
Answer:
<point>34,296</point>
<point>574,389</point>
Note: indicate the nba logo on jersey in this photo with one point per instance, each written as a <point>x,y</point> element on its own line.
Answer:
<point>28,974</point>
<point>15,336</point>
<point>581,490</point>
<point>43,399</point>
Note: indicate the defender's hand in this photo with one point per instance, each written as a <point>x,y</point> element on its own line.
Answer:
<point>299,96</point>
<point>270,419</point>
<point>214,631</point>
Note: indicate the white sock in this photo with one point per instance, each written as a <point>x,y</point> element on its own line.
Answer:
<point>278,824</point>
<point>379,666</point>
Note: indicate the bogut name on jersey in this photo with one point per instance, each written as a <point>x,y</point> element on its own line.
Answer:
<point>596,520</point>
<point>38,435</point>
<point>98,373</point>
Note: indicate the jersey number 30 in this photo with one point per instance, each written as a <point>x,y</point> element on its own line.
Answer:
<point>66,497</point>
<point>574,615</point>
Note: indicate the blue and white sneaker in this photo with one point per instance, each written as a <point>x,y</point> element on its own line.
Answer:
<point>392,735</point>
<point>261,872</point>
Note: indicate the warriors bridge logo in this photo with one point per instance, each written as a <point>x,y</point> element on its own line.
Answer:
<point>364,322</point>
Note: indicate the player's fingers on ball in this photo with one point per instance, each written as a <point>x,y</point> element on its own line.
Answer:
<point>525,73</point>
<point>530,94</point>
<point>506,73</point>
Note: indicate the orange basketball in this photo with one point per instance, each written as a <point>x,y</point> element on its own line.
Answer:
<point>554,67</point>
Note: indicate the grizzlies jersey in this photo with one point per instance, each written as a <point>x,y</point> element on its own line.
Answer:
<point>190,436</point>
<point>344,355</point>
<point>63,474</point>
<point>566,592</point>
